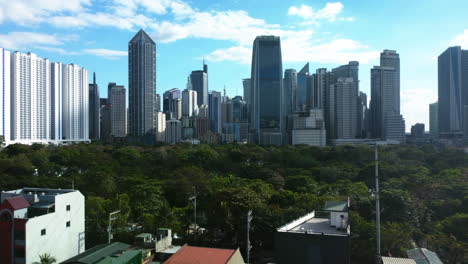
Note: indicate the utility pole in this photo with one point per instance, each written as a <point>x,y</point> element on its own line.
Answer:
<point>377,205</point>
<point>112,217</point>
<point>249,219</point>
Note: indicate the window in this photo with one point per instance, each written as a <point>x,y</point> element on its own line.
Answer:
<point>68,224</point>
<point>43,232</point>
<point>68,207</point>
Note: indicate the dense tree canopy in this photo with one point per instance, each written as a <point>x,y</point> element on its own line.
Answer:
<point>424,191</point>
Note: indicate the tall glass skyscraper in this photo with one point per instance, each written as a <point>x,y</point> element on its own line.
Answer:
<point>267,90</point>
<point>142,85</point>
<point>453,90</point>
<point>199,83</point>
<point>290,87</point>
<point>301,91</point>
<point>214,108</point>
<point>94,108</point>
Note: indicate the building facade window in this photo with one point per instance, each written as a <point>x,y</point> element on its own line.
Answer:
<point>68,223</point>
<point>68,207</point>
<point>43,232</point>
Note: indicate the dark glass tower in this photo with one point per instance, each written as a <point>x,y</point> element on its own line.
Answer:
<point>142,85</point>
<point>94,108</point>
<point>267,90</point>
<point>453,90</point>
<point>199,83</point>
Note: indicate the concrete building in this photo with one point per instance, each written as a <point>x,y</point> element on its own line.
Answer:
<point>193,255</point>
<point>214,108</point>
<point>417,130</point>
<point>309,129</point>
<point>5,90</point>
<point>394,127</point>
<point>390,58</point>
<point>433,119</point>
<point>345,108</point>
<point>189,103</point>
<point>199,83</point>
<point>75,120</point>
<point>37,221</point>
<point>118,110</point>
<point>453,91</point>
<point>94,107</point>
<point>318,237</point>
<point>142,85</point>
<point>105,119</point>
<point>173,131</point>
<point>266,113</point>
<point>160,127</point>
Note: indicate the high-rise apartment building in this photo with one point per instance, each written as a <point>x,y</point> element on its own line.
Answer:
<point>173,131</point>
<point>345,108</point>
<point>5,90</point>
<point>160,127</point>
<point>142,85</point>
<point>199,83</point>
<point>189,103</point>
<point>434,119</point>
<point>118,110</point>
<point>453,91</point>
<point>94,108</point>
<point>390,58</point>
<point>214,108</point>
<point>75,103</point>
<point>266,120</point>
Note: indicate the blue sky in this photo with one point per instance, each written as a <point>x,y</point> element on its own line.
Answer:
<point>95,33</point>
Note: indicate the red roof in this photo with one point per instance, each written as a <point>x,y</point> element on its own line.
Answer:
<point>17,202</point>
<point>200,255</point>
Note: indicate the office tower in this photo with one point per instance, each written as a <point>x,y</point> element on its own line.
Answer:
<point>75,103</point>
<point>387,123</point>
<point>345,112</point>
<point>290,87</point>
<point>35,221</point>
<point>118,110</point>
<point>247,84</point>
<point>189,103</point>
<point>226,112</point>
<point>5,103</point>
<point>390,58</point>
<point>267,90</point>
<point>302,89</point>
<point>170,105</point>
<point>105,107</point>
<point>417,130</point>
<point>433,119</point>
<point>321,84</point>
<point>309,128</point>
<point>30,98</point>
<point>177,114</point>
<point>173,131</point>
<point>203,112</point>
<point>214,108</point>
<point>346,85</point>
<point>361,128</point>
<point>94,110</point>
<point>142,85</point>
<point>158,103</point>
<point>453,91</point>
<point>239,109</point>
<point>160,127</point>
<point>199,83</point>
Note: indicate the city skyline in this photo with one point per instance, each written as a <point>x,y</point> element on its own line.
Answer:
<point>326,34</point>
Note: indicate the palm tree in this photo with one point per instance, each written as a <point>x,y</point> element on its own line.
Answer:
<point>46,258</point>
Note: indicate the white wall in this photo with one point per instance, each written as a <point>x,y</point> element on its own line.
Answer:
<point>60,242</point>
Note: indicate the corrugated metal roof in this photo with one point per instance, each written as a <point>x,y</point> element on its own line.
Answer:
<point>337,206</point>
<point>190,255</point>
<point>18,202</point>
<point>124,258</point>
<point>97,253</point>
<point>389,260</point>
<point>424,256</point>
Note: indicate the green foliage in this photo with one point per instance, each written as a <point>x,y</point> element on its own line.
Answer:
<point>424,191</point>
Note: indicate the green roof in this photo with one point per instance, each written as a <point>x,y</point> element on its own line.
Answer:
<point>336,206</point>
<point>97,253</point>
<point>126,257</point>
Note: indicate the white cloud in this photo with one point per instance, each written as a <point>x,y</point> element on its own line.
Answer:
<point>329,13</point>
<point>415,105</point>
<point>239,54</point>
<point>106,53</point>
<point>24,40</point>
<point>461,40</point>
